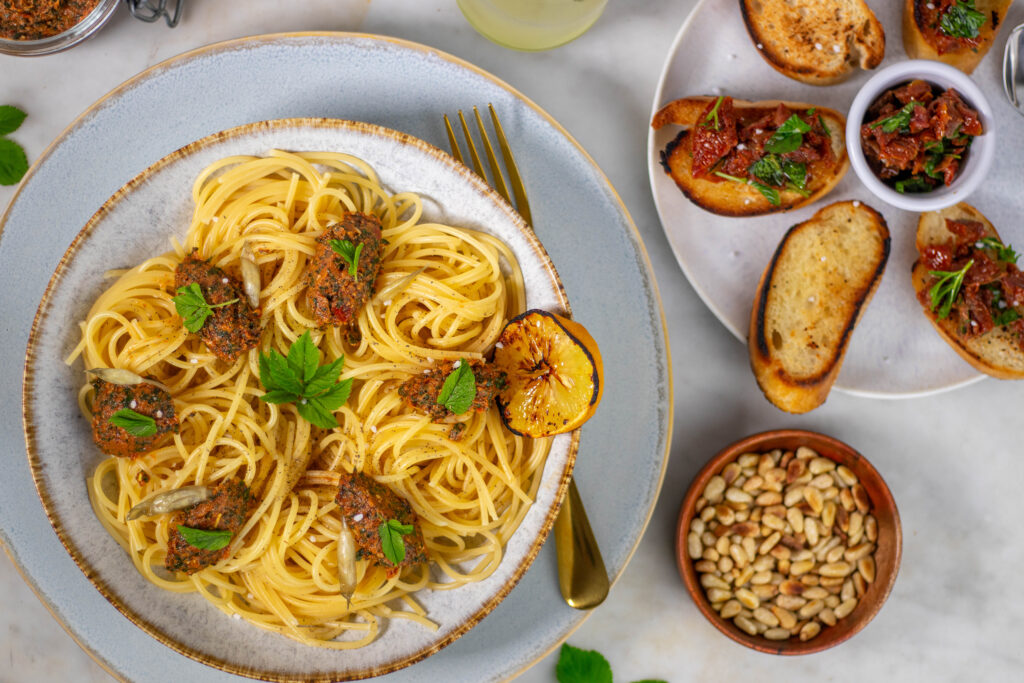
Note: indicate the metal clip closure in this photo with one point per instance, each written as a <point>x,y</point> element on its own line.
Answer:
<point>151,10</point>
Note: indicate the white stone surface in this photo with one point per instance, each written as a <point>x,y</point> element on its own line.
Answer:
<point>953,461</point>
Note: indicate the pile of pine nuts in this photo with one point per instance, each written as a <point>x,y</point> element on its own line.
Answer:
<point>784,543</point>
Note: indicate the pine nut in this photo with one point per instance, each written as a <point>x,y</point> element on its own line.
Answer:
<point>764,591</point>
<point>731,609</point>
<point>801,567</point>
<point>712,581</point>
<point>871,528</point>
<point>811,531</point>
<point>858,551</point>
<point>810,629</point>
<point>722,545</point>
<point>693,546</point>
<point>750,547</point>
<point>702,503</point>
<point>707,514</point>
<point>810,579</point>
<point>856,524</point>
<point>742,515</point>
<point>735,495</point>
<point>769,498</point>
<point>796,519</point>
<point>763,562</point>
<point>746,625</point>
<point>846,500</point>
<point>793,588</point>
<point>828,514</point>
<point>776,634</point>
<point>848,591</point>
<point>866,567</point>
<point>859,585</point>
<point>846,476</point>
<point>805,453</point>
<point>860,499</point>
<point>748,460</point>
<point>811,609</point>
<point>780,552</point>
<point>697,526</point>
<point>766,617</point>
<point>718,594</point>
<point>704,566</point>
<point>725,564</point>
<point>747,598</point>
<point>744,576</point>
<point>710,554</point>
<point>820,465</point>
<point>832,601</point>
<point>786,618</point>
<point>795,470</point>
<point>773,522</point>
<point>714,489</point>
<point>725,514</point>
<point>786,457</point>
<point>843,520</point>
<point>844,608</point>
<point>831,581</point>
<point>729,473</point>
<point>827,616</point>
<point>790,602</point>
<point>821,482</point>
<point>765,463</point>
<point>753,484</point>
<point>835,554</point>
<point>835,569</point>
<point>831,493</point>
<point>816,593</point>
<point>814,499</point>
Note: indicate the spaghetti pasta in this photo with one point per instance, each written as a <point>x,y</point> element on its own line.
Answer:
<point>449,293</point>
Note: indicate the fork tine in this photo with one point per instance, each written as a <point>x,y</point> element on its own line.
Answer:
<point>518,189</point>
<point>499,179</point>
<point>477,164</point>
<point>452,142</point>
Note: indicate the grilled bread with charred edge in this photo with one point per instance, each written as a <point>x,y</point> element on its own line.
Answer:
<point>819,282</point>
<point>923,39</point>
<point>737,199</point>
<point>996,352</point>
<point>819,42</point>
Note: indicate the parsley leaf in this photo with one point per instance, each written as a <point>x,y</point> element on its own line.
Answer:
<point>13,162</point>
<point>301,380</point>
<point>459,389</point>
<point>900,121</point>
<point>1005,318</point>
<point>134,423</point>
<point>1004,252</point>
<point>962,20</point>
<point>349,252</point>
<point>713,114</point>
<point>770,193</point>
<point>192,307</point>
<point>205,539</point>
<point>913,184</point>
<point>10,119</point>
<point>946,288</point>
<point>391,542</point>
<point>582,666</point>
<point>789,136</point>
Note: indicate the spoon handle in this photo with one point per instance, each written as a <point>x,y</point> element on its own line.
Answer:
<point>582,577</point>
<point>1013,79</point>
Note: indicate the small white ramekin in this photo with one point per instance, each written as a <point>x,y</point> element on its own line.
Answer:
<point>979,159</point>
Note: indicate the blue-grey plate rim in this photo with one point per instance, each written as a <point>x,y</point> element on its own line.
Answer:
<point>22,544</point>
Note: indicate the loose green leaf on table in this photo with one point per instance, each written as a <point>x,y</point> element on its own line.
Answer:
<point>13,162</point>
<point>10,119</point>
<point>586,666</point>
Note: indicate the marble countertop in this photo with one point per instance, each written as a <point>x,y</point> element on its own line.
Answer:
<point>953,461</point>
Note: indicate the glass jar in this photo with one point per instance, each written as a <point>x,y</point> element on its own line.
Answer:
<point>91,23</point>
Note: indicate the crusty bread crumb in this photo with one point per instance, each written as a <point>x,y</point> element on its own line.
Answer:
<point>819,42</point>
<point>821,278</point>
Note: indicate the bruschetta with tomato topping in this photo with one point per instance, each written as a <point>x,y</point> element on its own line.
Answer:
<point>957,32</point>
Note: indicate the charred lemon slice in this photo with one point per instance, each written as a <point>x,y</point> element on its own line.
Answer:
<point>553,371</point>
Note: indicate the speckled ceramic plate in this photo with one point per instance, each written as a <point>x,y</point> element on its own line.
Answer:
<point>136,223</point>
<point>894,352</point>
<point>395,84</point>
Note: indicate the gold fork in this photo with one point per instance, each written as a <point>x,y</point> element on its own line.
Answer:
<point>582,576</point>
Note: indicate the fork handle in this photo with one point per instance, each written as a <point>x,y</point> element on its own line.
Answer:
<point>582,576</point>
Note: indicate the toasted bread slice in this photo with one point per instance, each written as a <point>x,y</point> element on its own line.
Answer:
<point>738,199</point>
<point>921,41</point>
<point>810,297</point>
<point>819,42</point>
<point>997,352</point>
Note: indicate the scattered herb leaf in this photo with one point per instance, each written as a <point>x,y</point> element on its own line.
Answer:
<point>349,252</point>
<point>913,184</point>
<point>13,162</point>
<point>192,307</point>
<point>944,292</point>
<point>1005,318</point>
<point>391,542</point>
<point>1004,252</point>
<point>962,20</point>
<point>582,666</point>
<point>10,119</point>
<point>713,114</point>
<point>900,121</point>
<point>789,136</point>
<point>134,423</point>
<point>205,539</point>
<point>459,389</point>
<point>301,380</point>
<point>770,193</point>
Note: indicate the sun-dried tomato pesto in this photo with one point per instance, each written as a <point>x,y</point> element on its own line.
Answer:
<point>335,296</point>
<point>226,510</point>
<point>145,399</point>
<point>35,19</point>
<point>366,504</point>
<point>421,391</point>
<point>950,25</point>
<point>232,329</point>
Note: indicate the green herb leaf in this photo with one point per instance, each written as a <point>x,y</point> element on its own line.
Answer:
<point>962,20</point>
<point>828,133</point>
<point>582,666</point>
<point>713,115</point>
<point>301,380</point>
<point>134,423</point>
<point>945,290</point>
<point>13,162</point>
<point>1004,252</point>
<point>205,539</point>
<point>391,542</point>
<point>1005,318</point>
<point>192,307</point>
<point>459,389</point>
<point>770,193</point>
<point>10,119</point>
<point>913,184</point>
<point>900,121</point>
<point>789,136</point>
<point>349,252</point>
<point>768,169</point>
<point>797,173</point>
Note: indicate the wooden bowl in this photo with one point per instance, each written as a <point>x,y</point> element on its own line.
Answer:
<point>887,551</point>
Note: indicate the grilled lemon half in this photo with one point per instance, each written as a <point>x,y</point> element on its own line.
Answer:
<point>554,374</point>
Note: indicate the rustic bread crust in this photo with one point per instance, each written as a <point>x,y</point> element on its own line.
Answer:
<point>965,58</point>
<point>995,353</point>
<point>737,199</point>
<point>819,42</point>
<point>840,304</point>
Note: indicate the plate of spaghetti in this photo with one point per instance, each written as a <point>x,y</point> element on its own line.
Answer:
<point>243,468</point>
